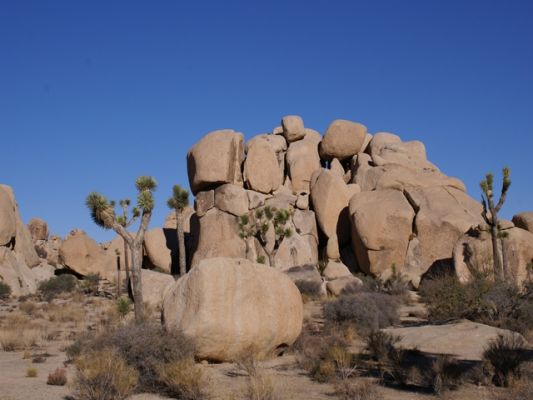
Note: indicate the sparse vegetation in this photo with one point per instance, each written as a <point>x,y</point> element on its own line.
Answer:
<point>123,305</point>
<point>350,389</point>
<point>57,285</point>
<point>103,214</point>
<point>183,379</point>
<point>505,355</point>
<point>5,290</point>
<point>261,387</point>
<point>31,372</point>
<point>90,284</point>
<point>57,378</point>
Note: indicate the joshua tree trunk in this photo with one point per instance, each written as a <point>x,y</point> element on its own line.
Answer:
<point>137,284</point>
<point>496,253</point>
<point>127,262</point>
<point>181,242</point>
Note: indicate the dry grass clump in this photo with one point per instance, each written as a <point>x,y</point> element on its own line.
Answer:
<point>20,332</point>
<point>31,372</point>
<point>70,312</point>
<point>184,379</point>
<point>57,378</point>
<point>367,311</point>
<point>261,387</point>
<point>30,308</point>
<point>350,389</point>
<point>506,355</point>
<point>104,375</point>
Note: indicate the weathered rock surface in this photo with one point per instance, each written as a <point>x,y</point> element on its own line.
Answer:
<point>302,161</point>
<point>228,306</point>
<point>472,254</point>
<point>293,128</point>
<point>219,237</point>
<point>38,229</point>
<point>342,140</point>
<point>344,285</point>
<point>15,272</point>
<point>8,226</point>
<point>330,197</point>
<point>216,159</point>
<point>381,229</point>
<point>154,286</point>
<point>464,340</point>
<point>84,256</point>
<point>261,168</point>
<point>294,251</point>
<point>161,247</point>
<point>232,199</point>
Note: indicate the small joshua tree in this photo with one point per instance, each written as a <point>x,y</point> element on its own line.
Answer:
<point>490,215</point>
<point>178,202</point>
<point>268,225</point>
<point>126,221</point>
<point>103,214</point>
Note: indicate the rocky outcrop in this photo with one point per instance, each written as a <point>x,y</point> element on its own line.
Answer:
<point>216,159</point>
<point>84,256</point>
<point>229,306</point>
<point>342,140</point>
<point>524,220</point>
<point>38,229</point>
<point>472,254</point>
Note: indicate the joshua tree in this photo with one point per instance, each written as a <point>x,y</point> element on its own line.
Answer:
<point>103,214</point>
<point>490,215</point>
<point>178,202</point>
<point>126,221</point>
<point>268,225</point>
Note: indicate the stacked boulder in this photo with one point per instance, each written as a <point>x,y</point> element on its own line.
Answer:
<point>359,202</point>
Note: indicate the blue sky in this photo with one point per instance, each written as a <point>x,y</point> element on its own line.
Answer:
<point>94,94</point>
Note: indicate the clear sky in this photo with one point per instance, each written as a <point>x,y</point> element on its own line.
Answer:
<point>96,93</point>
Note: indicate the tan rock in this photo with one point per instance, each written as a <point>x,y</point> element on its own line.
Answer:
<point>366,142</point>
<point>443,216</point>
<point>216,159</point>
<point>256,199</point>
<point>524,220</point>
<point>336,167</point>
<point>293,128</point>
<point>154,286</point>
<point>332,248</point>
<point>381,229</point>
<point>293,251</point>
<point>303,201</point>
<point>231,199</point>
<point>472,254</point>
<point>218,236</point>
<point>312,135</point>
<point>344,285</point>
<point>261,168</point>
<point>38,229</point>
<point>342,140</point>
<point>8,226</point>
<point>161,247</point>
<point>227,306</point>
<point>410,154</point>
<point>187,214</point>
<point>336,270</point>
<point>15,273</point>
<point>204,202</point>
<point>302,161</point>
<point>49,249</point>
<point>330,197</point>
<point>305,223</point>
<point>43,272</point>
<point>282,200</point>
<point>84,256</point>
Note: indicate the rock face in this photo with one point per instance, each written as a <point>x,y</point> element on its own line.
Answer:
<point>293,128</point>
<point>17,252</point>
<point>38,229</point>
<point>342,140</point>
<point>261,168</point>
<point>160,245</point>
<point>228,306</point>
<point>302,161</point>
<point>216,159</point>
<point>84,256</point>
<point>473,254</point>
<point>154,286</point>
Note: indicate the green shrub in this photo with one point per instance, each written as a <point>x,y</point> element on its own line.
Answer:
<point>5,290</point>
<point>123,305</point>
<point>506,355</point>
<point>367,311</point>
<point>56,285</point>
<point>380,345</point>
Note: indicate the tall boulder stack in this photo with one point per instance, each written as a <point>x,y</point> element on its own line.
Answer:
<point>358,201</point>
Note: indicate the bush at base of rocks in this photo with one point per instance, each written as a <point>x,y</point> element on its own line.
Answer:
<point>506,355</point>
<point>183,379</point>
<point>5,290</point>
<point>367,311</point>
<point>56,285</point>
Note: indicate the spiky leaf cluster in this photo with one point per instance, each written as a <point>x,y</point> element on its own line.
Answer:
<point>145,183</point>
<point>257,224</point>
<point>487,195</point>
<point>179,199</point>
<point>102,212</point>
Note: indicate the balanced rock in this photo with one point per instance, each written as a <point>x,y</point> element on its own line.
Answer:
<point>261,168</point>
<point>293,128</point>
<point>229,306</point>
<point>216,159</point>
<point>38,229</point>
<point>302,161</point>
<point>343,139</point>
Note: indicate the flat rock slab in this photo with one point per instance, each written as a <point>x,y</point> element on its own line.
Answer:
<point>465,340</point>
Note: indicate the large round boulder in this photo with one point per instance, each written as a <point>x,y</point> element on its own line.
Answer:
<point>261,168</point>
<point>342,140</point>
<point>228,307</point>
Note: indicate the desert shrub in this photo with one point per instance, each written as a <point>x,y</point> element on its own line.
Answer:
<point>261,387</point>
<point>144,347</point>
<point>104,375</point>
<point>56,285</point>
<point>324,355</point>
<point>368,311</point>
<point>57,378</point>
<point>20,337</point>
<point>90,284</point>
<point>183,379</point>
<point>349,389</point>
<point>31,372</point>
<point>445,374</point>
<point>123,306</point>
<point>505,355</point>
<point>380,345</point>
<point>28,307</point>
<point>64,313</point>
<point>5,290</point>
<point>248,361</point>
<point>309,289</point>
